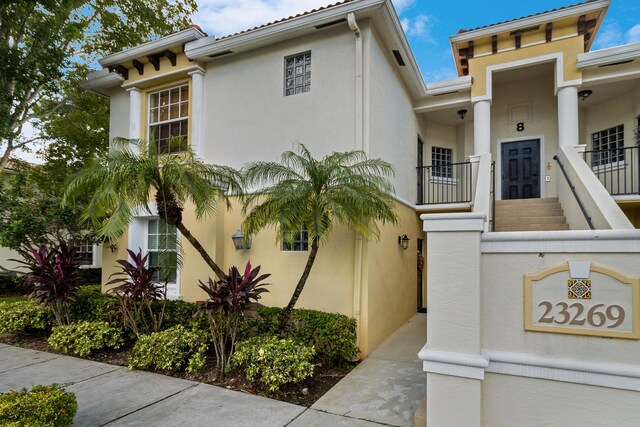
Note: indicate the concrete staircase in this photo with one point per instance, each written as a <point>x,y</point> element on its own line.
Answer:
<point>530,215</point>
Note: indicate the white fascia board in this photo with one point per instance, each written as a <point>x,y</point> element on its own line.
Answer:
<point>612,55</point>
<point>457,84</point>
<point>98,81</point>
<point>580,9</point>
<point>392,20</point>
<point>201,49</point>
<point>153,46</point>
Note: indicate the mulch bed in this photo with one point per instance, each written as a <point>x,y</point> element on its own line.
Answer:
<point>304,393</point>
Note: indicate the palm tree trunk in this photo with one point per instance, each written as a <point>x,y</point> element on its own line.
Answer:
<point>201,250</point>
<point>303,280</point>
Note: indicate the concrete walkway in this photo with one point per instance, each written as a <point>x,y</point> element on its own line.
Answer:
<point>388,386</point>
<point>384,389</point>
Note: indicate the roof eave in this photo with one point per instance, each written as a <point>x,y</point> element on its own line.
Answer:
<point>532,21</point>
<point>101,81</point>
<point>202,49</point>
<point>609,56</point>
<point>155,46</point>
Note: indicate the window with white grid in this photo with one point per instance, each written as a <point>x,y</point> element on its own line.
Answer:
<point>298,241</point>
<point>162,247</point>
<point>85,254</point>
<point>297,74</point>
<point>169,119</point>
<point>441,159</point>
<point>608,146</point>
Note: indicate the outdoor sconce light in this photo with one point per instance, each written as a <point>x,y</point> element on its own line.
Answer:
<point>240,242</point>
<point>462,113</point>
<point>584,94</point>
<point>403,241</point>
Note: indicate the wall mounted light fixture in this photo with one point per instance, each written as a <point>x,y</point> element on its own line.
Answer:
<point>462,114</point>
<point>240,242</point>
<point>403,241</point>
<point>584,94</point>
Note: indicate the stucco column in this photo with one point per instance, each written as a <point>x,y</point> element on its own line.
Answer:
<point>568,116</point>
<point>197,111</point>
<point>135,104</point>
<point>451,357</point>
<point>482,127</point>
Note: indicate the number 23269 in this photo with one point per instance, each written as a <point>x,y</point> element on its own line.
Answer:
<point>597,316</point>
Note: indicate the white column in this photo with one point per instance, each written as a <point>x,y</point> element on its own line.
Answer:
<point>197,112</point>
<point>135,105</point>
<point>452,357</point>
<point>568,116</point>
<point>482,127</point>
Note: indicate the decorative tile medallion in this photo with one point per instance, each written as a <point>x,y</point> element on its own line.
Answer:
<point>579,288</point>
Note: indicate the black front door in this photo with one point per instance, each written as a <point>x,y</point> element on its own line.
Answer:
<point>521,169</point>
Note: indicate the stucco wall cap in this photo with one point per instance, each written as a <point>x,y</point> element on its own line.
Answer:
<point>466,221</point>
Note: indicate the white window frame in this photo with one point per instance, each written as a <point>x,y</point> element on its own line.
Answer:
<point>138,238</point>
<point>299,239</point>
<point>82,250</point>
<point>607,164</point>
<point>447,173</point>
<point>170,121</point>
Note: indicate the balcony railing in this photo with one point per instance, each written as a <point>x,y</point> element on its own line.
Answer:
<point>446,183</point>
<point>617,169</point>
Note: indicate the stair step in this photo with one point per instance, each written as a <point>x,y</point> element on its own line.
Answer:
<point>526,201</point>
<point>557,219</point>
<point>531,227</point>
<point>533,211</point>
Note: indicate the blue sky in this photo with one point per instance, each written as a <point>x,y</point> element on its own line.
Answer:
<point>428,23</point>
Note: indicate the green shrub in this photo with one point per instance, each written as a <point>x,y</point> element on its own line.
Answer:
<point>172,349</point>
<point>92,304</point>
<point>41,406</point>
<point>272,361</point>
<point>21,316</point>
<point>332,335</point>
<point>90,275</point>
<point>11,283</point>
<point>84,338</point>
<point>181,313</point>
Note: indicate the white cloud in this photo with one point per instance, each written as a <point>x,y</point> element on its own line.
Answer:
<point>224,17</point>
<point>633,35</point>
<point>419,27</point>
<point>402,5</point>
<point>442,73</point>
<point>609,35</point>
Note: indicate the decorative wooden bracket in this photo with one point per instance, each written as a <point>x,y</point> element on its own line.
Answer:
<point>171,56</point>
<point>548,32</point>
<point>155,61</point>
<point>139,66</point>
<point>494,44</point>
<point>122,70</point>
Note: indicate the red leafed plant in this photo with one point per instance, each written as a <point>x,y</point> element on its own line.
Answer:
<point>53,274</point>
<point>229,299</point>
<point>138,292</point>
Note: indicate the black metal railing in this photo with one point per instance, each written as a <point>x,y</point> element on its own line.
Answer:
<point>587,217</point>
<point>445,183</point>
<point>617,169</point>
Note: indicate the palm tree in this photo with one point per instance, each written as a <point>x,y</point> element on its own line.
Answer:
<point>302,192</point>
<point>127,177</point>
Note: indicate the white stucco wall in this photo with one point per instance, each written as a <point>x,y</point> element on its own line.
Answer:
<point>610,113</point>
<point>248,118</point>
<point>7,254</point>
<point>503,316</point>
<point>393,123</point>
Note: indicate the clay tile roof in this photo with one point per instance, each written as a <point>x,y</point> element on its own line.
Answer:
<point>197,27</point>
<point>528,16</point>
<point>286,19</point>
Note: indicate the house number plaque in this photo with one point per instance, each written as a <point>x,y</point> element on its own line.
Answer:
<point>582,299</point>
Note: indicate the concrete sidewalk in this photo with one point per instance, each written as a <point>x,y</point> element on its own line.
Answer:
<point>383,390</point>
